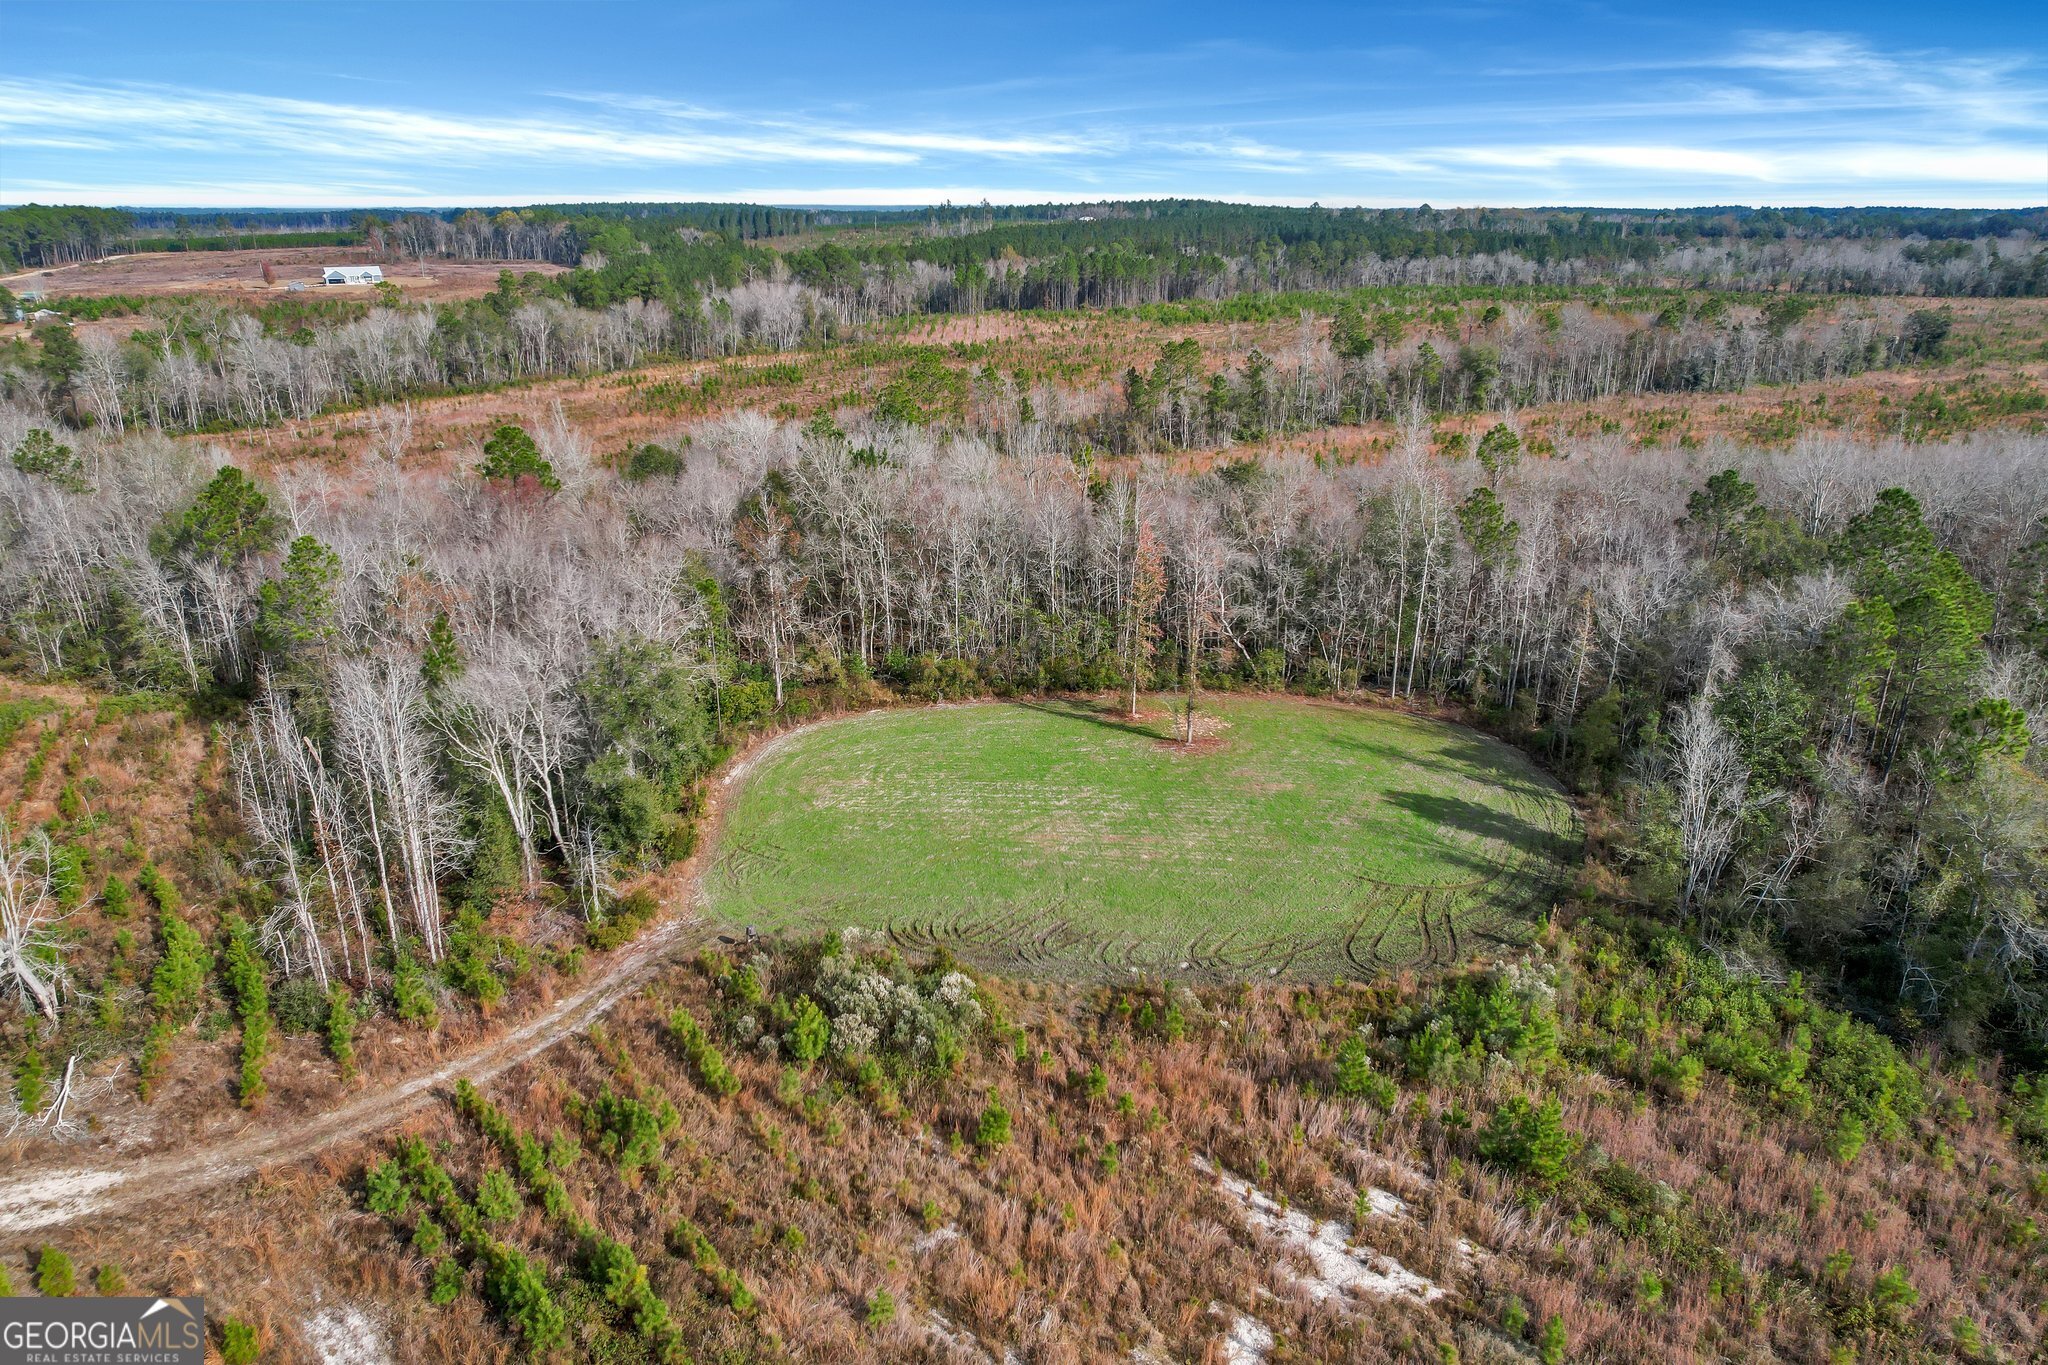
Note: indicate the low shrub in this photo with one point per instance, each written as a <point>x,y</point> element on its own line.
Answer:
<point>474,954</point>
<point>809,1033</point>
<point>688,1240</point>
<point>55,1278</point>
<point>159,889</point>
<point>497,1198</point>
<point>1529,1140</point>
<point>385,1190</point>
<point>703,1055</point>
<point>156,1048</point>
<point>299,1005</point>
<point>412,992</point>
<point>115,901</point>
<point>518,1289</point>
<point>177,987</point>
<point>341,1030</point>
<point>248,986</point>
<point>630,1129</point>
<point>623,923</point>
<point>447,1282</point>
<point>1356,1078</point>
<point>239,1344</point>
<point>994,1129</point>
<point>30,1080</point>
<point>1679,1077</point>
<point>1511,1014</point>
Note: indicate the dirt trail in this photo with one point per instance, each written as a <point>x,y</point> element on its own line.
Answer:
<point>59,1196</point>
<point>54,1196</point>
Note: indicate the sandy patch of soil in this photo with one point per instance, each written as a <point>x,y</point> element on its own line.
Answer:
<point>240,274</point>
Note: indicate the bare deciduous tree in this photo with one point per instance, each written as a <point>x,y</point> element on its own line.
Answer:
<point>411,825</point>
<point>31,952</point>
<point>275,786</point>
<point>1710,786</point>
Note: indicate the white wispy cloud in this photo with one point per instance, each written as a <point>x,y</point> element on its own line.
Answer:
<point>323,192</point>
<point>1766,72</point>
<point>1244,153</point>
<point>918,139</point>
<point>1698,161</point>
<point>1384,163</point>
<point>1793,117</point>
<point>2004,164</point>
<point>972,144</point>
<point>187,120</point>
<point>1983,92</point>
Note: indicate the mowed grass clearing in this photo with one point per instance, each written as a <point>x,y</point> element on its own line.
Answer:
<point>1297,838</point>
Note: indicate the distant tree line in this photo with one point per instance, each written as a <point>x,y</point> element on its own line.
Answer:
<point>34,235</point>
<point>1363,357</point>
<point>1051,256</point>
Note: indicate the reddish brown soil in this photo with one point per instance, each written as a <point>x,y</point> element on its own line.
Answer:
<point>240,273</point>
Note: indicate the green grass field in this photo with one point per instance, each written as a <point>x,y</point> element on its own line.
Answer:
<point>1301,838</point>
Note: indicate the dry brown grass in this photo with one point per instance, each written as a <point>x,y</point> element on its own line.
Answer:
<point>239,274</point>
<point>1083,358</point>
<point>1035,1248</point>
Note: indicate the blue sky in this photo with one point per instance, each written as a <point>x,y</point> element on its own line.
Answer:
<point>412,103</point>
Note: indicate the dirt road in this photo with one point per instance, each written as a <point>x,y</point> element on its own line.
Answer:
<point>65,1195</point>
<point>55,1196</point>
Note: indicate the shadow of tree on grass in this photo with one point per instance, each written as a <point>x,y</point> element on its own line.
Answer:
<point>1092,715</point>
<point>1472,818</point>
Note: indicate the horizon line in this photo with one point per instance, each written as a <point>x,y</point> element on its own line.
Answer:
<point>1019,200</point>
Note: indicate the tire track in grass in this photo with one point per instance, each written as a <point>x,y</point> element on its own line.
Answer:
<point>952,797</point>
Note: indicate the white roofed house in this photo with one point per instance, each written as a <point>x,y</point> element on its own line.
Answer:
<point>352,274</point>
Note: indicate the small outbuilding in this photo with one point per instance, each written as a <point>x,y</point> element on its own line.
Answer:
<point>352,274</point>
